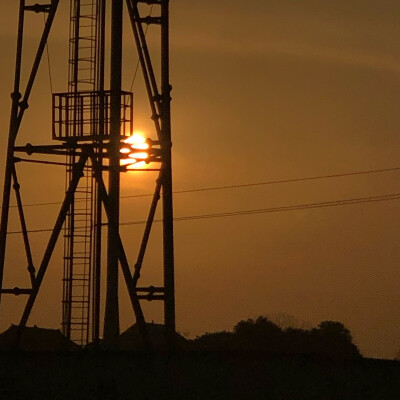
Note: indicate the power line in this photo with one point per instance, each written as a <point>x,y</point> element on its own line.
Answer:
<point>51,203</point>
<point>243,185</point>
<point>310,178</point>
<point>295,207</point>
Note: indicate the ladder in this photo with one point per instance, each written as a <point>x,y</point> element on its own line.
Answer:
<point>82,45</point>
<point>79,226</point>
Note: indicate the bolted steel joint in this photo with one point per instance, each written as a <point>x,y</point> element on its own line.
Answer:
<point>23,104</point>
<point>31,269</point>
<point>15,96</point>
<point>16,291</point>
<point>29,149</point>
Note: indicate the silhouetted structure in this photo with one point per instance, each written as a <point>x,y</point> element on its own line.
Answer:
<point>90,124</point>
<point>35,339</point>
<point>131,339</point>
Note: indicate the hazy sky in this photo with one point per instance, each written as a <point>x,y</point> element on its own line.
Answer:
<point>262,91</point>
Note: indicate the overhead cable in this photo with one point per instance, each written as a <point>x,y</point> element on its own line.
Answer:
<point>295,207</point>
<point>244,185</point>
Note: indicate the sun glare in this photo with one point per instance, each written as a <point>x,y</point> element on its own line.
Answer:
<point>136,138</point>
<point>141,146</point>
<point>127,161</point>
<point>133,149</point>
<point>136,165</point>
<point>140,156</point>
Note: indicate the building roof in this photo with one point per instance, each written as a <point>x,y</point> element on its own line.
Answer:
<point>131,339</point>
<point>35,339</point>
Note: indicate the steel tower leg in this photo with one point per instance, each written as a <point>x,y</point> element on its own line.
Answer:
<point>168,237</point>
<point>111,317</point>
<point>18,109</point>
<point>96,293</point>
<point>160,104</point>
<point>16,95</point>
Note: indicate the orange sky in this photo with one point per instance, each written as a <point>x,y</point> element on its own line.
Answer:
<point>261,91</point>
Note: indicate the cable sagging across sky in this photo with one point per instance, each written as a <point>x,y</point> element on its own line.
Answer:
<point>295,207</point>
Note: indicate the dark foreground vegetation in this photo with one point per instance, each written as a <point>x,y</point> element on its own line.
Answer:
<point>330,339</point>
<point>257,360</point>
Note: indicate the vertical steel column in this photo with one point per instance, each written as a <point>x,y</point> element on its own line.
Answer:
<point>98,213</point>
<point>168,231</point>
<point>16,96</point>
<point>111,318</point>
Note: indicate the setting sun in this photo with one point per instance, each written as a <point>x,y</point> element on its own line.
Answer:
<point>134,150</point>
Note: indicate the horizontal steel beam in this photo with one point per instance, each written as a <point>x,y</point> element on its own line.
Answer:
<point>150,2</point>
<point>149,20</point>
<point>150,289</point>
<point>38,8</point>
<point>16,291</point>
<point>150,297</point>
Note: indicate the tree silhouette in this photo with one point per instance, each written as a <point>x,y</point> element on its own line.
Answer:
<point>329,339</point>
<point>218,341</point>
<point>333,339</point>
<point>334,329</point>
<point>261,334</point>
<point>288,321</point>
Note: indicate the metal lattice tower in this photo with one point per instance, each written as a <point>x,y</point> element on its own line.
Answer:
<point>90,124</point>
